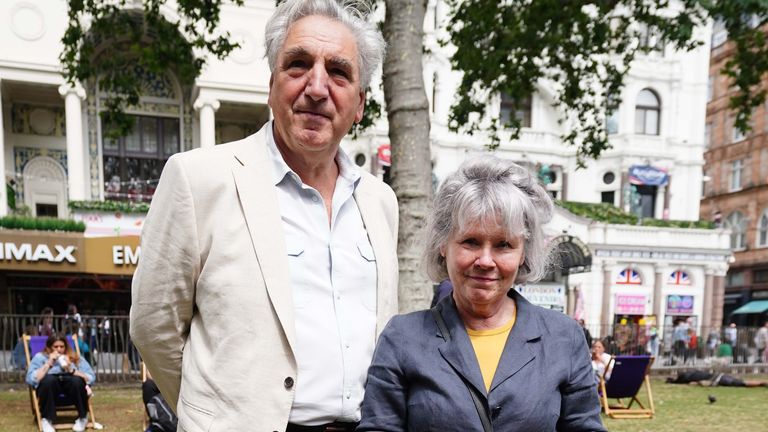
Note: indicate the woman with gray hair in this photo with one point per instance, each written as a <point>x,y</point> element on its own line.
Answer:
<point>484,358</point>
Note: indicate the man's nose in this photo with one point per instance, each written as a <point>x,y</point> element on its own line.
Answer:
<point>317,84</point>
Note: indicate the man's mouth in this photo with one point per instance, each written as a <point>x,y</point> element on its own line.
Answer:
<point>312,114</point>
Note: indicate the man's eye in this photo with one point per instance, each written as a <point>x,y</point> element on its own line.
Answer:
<point>340,72</point>
<point>299,64</point>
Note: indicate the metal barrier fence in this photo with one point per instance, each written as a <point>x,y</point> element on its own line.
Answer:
<point>108,348</point>
<point>105,344</point>
<point>681,345</point>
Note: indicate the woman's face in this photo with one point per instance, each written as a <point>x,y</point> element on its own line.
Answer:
<point>482,264</point>
<point>59,347</point>
<point>598,348</point>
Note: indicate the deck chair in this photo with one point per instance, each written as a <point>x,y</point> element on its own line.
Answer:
<point>628,374</point>
<point>33,345</point>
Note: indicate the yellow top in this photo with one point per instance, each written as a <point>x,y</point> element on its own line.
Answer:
<point>488,345</point>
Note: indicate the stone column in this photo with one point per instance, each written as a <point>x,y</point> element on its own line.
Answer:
<point>3,196</point>
<point>570,305</point>
<point>75,148</point>
<point>207,109</point>
<point>605,313</point>
<point>658,281</point>
<point>707,312</point>
<point>718,298</point>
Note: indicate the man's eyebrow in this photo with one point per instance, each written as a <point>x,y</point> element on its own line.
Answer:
<point>296,52</point>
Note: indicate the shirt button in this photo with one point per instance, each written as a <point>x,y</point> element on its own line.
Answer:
<point>288,383</point>
<point>349,395</point>
<point>315,199</point>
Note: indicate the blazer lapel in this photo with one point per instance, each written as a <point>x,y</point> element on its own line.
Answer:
<point>255,190</point>
<point>379,236</point>
<point>458,352</point>
<point>517,351</point>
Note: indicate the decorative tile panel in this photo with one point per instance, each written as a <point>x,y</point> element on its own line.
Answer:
<point>40,120</point>
<point>22,156</point>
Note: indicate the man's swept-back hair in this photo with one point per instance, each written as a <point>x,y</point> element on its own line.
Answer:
<point>351,13</point>
<point>491,190</point>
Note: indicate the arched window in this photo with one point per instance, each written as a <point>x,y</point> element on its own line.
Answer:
<point>132,164</point>
<point>628,276</point>
<point>679,277</point>
<point>647,113</point>
<point>762,230</point>
<point>738,225</point>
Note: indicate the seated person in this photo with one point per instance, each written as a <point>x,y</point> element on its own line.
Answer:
<point>59,370</point>
<point>161,416</point>
<point>600,360</point>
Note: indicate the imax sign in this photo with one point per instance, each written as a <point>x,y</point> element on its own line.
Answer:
<point>25,252</point>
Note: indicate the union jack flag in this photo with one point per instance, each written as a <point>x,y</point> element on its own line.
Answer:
<point>679,277</point>
<point>629,276</point>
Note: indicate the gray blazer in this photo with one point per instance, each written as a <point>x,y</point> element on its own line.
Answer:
<point>544,380</point>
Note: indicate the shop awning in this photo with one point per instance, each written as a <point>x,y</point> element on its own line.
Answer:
<point>757,306</point>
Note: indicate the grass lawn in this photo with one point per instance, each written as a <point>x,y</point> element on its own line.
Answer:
<point>679,408</point>
<point>119,409</point>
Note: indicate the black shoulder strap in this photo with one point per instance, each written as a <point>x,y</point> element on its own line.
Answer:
<point>485,419</point>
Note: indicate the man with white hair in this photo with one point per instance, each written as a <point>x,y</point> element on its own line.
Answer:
<point>269,264</point>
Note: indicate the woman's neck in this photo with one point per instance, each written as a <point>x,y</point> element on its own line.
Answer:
<point>488,317</point>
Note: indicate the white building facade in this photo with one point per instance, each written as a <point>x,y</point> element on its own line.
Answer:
<point>53,149</point>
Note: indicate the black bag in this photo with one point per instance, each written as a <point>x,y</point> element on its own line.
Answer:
<point>161,416</point>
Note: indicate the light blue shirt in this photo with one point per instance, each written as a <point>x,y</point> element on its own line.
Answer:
<point>39,360</point>
<point>333,278</point>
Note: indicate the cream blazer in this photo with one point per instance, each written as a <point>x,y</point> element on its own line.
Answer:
<point>212,309</point>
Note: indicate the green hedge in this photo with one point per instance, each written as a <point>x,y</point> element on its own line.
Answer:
<point>110,206</point>
<point>41,224</point>
<point>611,214</point>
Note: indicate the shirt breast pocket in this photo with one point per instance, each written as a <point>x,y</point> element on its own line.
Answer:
<point>295,248</point>
<point>368,271</point>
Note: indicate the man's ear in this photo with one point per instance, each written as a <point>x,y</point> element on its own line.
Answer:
<point>360,107</point>
<point>269,97</point>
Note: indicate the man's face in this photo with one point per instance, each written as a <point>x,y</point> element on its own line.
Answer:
<point>315,92</point>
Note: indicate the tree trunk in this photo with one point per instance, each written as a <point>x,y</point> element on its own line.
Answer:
<point>408,114</point>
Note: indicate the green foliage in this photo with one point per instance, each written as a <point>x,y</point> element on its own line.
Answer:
<point>104,39</point>
<point>41,224</point>
<point>748,66</point>
<point>583,50</point>
<point>600,212</point>
<point>610,214</point>
<point>109,206</point>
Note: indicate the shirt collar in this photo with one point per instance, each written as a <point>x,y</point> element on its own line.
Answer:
<point>347,169</point>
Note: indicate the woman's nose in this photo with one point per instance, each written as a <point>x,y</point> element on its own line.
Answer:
<point>484,258</point>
